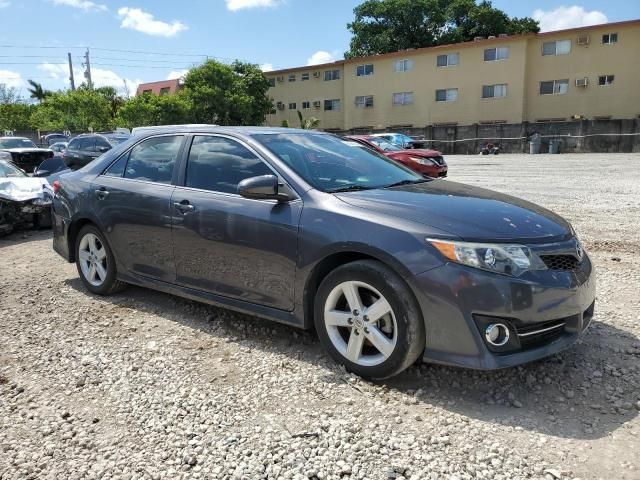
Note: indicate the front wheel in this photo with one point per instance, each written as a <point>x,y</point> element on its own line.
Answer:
<point>368,320</point>
<point>95,262</point>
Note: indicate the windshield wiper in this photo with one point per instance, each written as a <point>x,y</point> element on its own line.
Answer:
<point>350,188</point>
<point>406,182</point>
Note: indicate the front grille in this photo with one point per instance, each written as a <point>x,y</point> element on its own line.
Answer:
<point>438,160</point>
<point>561,262</point>
<point>533,335</point>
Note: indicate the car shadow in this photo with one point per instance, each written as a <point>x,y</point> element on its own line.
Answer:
<point>586,392</point>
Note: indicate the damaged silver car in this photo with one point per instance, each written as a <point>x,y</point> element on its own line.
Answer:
<point>24,201</point>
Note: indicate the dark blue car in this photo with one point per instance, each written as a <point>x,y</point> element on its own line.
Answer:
<point>317,232</point>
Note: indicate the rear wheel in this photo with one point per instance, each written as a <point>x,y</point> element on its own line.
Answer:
<point>95,262</point>
<point>368,320</point>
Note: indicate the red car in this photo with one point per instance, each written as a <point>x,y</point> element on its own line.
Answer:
<point>426,162</point>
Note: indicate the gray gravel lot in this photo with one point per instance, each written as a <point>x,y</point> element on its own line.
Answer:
<point>147,385</point>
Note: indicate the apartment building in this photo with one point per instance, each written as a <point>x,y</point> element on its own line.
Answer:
<point>162,87</point>
<point>589,72</point>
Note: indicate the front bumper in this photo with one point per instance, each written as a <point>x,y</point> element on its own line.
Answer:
<point>439,171</point>
<point>545,311</point>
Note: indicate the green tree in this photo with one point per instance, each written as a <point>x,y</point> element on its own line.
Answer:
<point>9,94</point>
<point>76,110</point>
<point>383,26</point>
<point>149,109</point>
<point>233,94</point>
<point>111,95</point>
<point>37,91</point>
<point>310,123</point>
<point>15,116</point>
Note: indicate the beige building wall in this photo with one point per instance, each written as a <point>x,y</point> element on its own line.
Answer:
<point>522,72</point>
<point>621,59</point>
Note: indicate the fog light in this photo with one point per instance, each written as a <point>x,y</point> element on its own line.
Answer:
<point>497,334</point>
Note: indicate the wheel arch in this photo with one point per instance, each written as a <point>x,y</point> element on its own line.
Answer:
<point>336,259</point>
<point>72,234</point>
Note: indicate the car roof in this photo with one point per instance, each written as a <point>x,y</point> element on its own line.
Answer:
<point>15,138</point>
<point>243,130</point>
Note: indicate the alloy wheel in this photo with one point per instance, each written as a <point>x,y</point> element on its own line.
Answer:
<point>361,323</point>
<point>93,259</point>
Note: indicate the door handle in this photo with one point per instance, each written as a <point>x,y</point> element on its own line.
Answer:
<point>102,193</point>
<point>184,206</point>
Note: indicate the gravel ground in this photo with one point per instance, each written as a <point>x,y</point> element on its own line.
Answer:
<point>147,385</point>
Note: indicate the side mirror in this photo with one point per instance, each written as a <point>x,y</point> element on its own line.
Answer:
<point>103,149</point>
<point>41,173</point>
<point>264,187</point>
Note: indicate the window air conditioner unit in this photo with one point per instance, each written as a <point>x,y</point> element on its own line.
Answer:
<point>477,39</point>
<point>582,82</point>
<point>583,40</point>
<point>491,37</point>
<point>280,106</point>
<point>316,74</point>
<point>280,79</point>
<point>316,104</point>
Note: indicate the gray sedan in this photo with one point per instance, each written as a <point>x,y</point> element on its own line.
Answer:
<point>317,232</point>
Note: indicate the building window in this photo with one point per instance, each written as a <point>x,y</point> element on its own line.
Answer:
<point>447,95</point>
<point>560,47</point>
<point>331,75</point>
<point>498,53</point>
<point>306,105</point>
<point>609,38</point>
<point>292,106</point>
<point>403,98</point>
<point>305,76</point>
<point>604,80</point>
<point>448,60</point>
<point>292,77</point>
<point>365,101</point>
<point>164,91</point>
<point>494,91</point>
<point>332,104</point>
<point>364,70</point>
<point>554,87</point>
<point>405,65</point>
<point>272,82</point>
<point>147,91</point>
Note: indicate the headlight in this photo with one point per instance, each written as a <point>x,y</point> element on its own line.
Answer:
<point>499,258</point>
<point>423,161</point>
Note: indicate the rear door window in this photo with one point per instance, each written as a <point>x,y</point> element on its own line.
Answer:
<point>87,144</point>
<point>219,164</point>
<point>154,159</point>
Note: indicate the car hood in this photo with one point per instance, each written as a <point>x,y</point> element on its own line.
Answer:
<point>21,189</point>
<point>423,152</point>
<point>467,212</point>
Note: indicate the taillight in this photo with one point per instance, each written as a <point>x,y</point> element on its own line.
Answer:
<point>56,186</point>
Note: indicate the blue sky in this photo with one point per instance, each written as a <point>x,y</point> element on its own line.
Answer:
<point>272,33</point>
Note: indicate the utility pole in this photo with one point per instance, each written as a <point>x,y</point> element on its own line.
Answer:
<point>71,79</point>
<point>87,72</point>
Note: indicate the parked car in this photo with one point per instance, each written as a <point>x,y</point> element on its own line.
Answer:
<point>308,229</point>
<point>52,138</point>
<point>89,146</point>
<point>24,153</point>
<point>426,162</point>
<point>401,140</point>
<point>58,148</point>
<point>49,167</point>
<point>23,199</point>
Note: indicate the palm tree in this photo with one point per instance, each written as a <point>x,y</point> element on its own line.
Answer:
<point>37,91</point>
<point>310,123</point>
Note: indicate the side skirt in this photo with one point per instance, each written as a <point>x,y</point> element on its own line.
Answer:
<point>280,316</point>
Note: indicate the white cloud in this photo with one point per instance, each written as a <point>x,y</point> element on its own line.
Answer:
<point>320,57</point>
<point>235,5</point>
<point>266,67</point>
<point>568,17</point>
<point>141,21</point>
<point>85,5</point>
<point>173,74</point>
<point>99,76</point>
<point>11,79</point>
<point>4,3</point>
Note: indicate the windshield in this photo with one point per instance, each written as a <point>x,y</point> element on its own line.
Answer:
<point>385,145</point>
<point>16,143</point>
<point>8,170</point>
<point>331,164</point>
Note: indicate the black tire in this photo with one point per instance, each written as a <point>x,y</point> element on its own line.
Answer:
<point>411,335</point>
<point>110,284</point>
